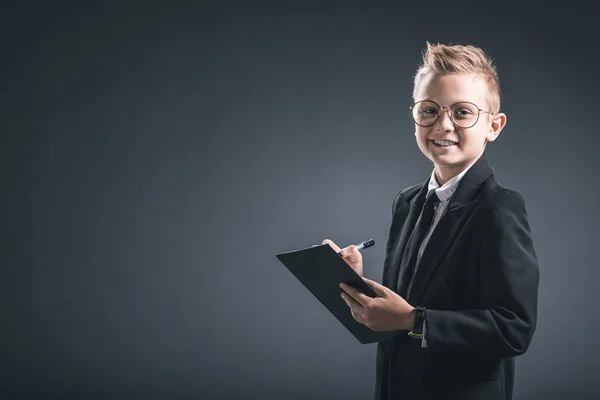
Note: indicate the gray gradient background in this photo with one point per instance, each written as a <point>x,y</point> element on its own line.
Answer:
<point>157,157</point>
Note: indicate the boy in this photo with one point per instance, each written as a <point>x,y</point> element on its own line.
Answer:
<point>460,278</point>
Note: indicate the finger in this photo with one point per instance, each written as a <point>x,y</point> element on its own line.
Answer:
<point>380,290</point>
<point>332,245</point>
<point>359,318</point>
<point>354,306</point>
<point>355,309</point>
<point>351,253</point>
<point>359,297</point>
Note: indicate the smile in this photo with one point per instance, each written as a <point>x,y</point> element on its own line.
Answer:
<point>443,143</point>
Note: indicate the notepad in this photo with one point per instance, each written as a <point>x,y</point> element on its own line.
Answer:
<point>321,270</point>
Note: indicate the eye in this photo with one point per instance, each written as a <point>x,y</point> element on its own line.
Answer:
<point>462,113</point>
<point>430,111</point>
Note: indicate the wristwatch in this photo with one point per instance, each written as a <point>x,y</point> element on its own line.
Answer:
<point>417,331</point>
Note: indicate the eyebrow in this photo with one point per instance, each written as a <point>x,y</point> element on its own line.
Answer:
<point>456,102</point>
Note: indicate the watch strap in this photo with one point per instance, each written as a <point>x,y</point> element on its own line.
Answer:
<point>417,330</point>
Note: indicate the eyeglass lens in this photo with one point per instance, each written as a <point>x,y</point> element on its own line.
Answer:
<point>426,113</point>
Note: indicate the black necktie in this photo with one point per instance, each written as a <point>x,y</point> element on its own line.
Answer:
<point>415,240</point>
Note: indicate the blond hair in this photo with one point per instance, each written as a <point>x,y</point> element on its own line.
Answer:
<point>441,60</point>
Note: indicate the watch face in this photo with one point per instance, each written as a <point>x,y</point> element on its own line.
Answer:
<point>419,321</point>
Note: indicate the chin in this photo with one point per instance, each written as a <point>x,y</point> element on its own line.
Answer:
<point>457,160</point>
<point>449,160</point>
<point>446,159</point>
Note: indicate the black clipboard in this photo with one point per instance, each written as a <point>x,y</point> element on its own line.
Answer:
<point>321,270</point>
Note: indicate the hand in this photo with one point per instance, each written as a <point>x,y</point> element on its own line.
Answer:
<point>350,254</point>
<point>386,312</point>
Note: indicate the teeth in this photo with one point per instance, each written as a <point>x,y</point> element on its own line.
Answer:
<point>443,142</point>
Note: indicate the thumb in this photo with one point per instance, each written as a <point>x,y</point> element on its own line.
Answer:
<point>381,290</point>
<point>334,246</point>
<point>351,253</point>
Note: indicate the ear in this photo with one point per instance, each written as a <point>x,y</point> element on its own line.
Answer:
<point>498,123</point>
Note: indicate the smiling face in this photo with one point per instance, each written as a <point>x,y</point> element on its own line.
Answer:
<point>450,147</point>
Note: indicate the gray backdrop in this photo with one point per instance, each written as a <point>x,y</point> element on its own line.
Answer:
<point>157,157</point>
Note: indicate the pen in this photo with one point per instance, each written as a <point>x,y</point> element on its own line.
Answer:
<point>364,245</point>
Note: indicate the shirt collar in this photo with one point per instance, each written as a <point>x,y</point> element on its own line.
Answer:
<point>447,189</point>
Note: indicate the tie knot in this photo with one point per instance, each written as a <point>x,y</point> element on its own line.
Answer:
<point>432,197</point>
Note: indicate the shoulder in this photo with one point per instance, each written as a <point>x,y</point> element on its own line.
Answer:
<point>502,205</point>
<point>406,195</point>
<point>495,196</point>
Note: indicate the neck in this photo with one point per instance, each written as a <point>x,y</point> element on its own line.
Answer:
<point>443,173</point>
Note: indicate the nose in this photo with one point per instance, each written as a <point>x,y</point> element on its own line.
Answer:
<point>444,121</point>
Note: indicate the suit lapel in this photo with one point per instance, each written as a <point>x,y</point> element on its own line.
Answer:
<point>459,209</point>
<point>437,247</point>
<point>408,223</point>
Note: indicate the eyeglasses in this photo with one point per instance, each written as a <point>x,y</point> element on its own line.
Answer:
<point>464,114</point>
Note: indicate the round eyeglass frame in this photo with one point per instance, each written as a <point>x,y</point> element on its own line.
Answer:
<point>449,111</point>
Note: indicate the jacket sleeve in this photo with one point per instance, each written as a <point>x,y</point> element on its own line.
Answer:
<point>509,278</point>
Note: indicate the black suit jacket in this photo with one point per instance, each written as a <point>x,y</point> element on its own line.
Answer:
<point>478,279</point>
